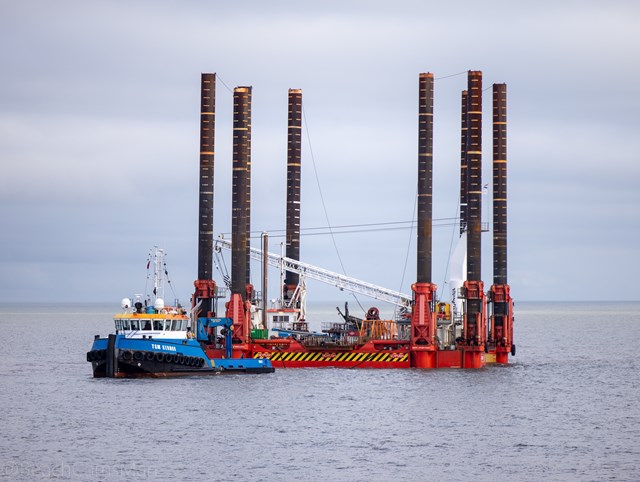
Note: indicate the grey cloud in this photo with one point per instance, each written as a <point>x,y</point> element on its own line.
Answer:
<point>98,146</point>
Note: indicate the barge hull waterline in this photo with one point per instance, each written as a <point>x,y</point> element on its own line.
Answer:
<point>468,357</point>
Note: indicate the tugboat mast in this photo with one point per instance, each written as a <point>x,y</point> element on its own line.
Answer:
<point>157,255</point>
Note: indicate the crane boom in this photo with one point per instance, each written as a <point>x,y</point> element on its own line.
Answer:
<point>325,276</point>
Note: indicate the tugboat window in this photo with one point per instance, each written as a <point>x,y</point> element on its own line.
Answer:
<point>125,324</point>
<point>158,325</point>
<point>135,325</point>
<point>176,325</point>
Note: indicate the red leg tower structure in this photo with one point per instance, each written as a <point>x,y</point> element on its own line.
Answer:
<point>294,168</point>
<point>423,320</point>
<point>501,319</point>
<point>205,286</point>
<point>474,324</point>
<point>238,307</point>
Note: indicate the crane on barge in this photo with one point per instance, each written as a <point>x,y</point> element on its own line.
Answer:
<point>449,315</point>
<point>340,281</point>
<point>289,316</point>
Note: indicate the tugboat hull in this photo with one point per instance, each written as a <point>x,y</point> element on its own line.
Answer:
<point>119,357</point>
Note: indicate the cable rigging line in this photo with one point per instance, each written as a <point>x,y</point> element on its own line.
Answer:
<point>406,259</point>
<point>451,75</point>
<point>223,83</point>
<point>352,228</point>
<point>166,272</point>
<point>324,207</point>
<point>446,270</point>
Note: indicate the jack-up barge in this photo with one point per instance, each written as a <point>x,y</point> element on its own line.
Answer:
<point>473,329</point>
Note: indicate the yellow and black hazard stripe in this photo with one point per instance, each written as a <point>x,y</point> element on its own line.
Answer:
<point>358,357</point>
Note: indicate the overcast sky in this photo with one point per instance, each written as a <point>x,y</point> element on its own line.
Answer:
<point>99,127</point>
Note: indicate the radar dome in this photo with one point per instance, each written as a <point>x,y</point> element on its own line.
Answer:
<point>125,303</point>
<point>159,304</point>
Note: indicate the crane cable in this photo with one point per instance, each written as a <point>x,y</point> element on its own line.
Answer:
<point>453,235</point>
<point>406,258</point>
<point>355,228</point>
<point>324,207</point>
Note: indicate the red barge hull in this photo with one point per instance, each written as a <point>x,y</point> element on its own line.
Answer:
<point>377,354</point>
<point>383,359</point>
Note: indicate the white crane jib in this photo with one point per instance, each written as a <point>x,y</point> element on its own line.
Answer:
<point>325,276</point>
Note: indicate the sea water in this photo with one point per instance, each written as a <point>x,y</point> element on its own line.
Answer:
<point>566,408</point>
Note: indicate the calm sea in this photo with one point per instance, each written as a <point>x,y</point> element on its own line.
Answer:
<point>568,408</point>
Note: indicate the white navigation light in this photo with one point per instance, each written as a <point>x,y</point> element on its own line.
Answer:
<point>125,303</point>
<point>159,304</point>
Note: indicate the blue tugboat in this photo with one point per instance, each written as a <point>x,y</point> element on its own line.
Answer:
<point>154,340</point>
